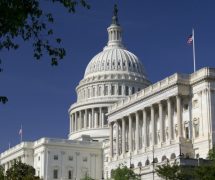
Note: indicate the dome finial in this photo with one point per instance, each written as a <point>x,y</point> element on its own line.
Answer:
<point>115,15</point>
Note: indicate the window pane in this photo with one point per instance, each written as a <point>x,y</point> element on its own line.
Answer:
<point>55,174</point>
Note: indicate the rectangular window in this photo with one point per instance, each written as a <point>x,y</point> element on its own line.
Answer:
<point>55,174</point>
<point>70,158</point>
<point>185,107</point>
<point>133,90</point>
<point>69,174</point>
<point>55,157</point>
<point>187,132</point>
<point>196,127</point>
<point>120,90</point>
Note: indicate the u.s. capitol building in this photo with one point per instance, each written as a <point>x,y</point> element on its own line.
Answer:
<point>121,118</point>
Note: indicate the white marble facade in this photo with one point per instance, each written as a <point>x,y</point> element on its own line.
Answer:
<point>58,158</point>
<point>172,117</point>
<point>121,118</point>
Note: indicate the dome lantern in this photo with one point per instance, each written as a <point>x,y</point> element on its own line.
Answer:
<point>114,32</point>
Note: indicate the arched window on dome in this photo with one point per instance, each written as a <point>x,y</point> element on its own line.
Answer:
<point>94,91</point>
<point>112,90</point>
<point>88,92</point>
<point>106,91</point>
<point>99,91</point>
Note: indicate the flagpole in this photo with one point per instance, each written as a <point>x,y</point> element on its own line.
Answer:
<point>194,53</point>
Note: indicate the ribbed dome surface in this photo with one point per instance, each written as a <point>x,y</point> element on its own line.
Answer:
<point>114,59</point>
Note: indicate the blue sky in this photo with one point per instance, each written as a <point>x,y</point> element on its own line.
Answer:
<point>156,31</point>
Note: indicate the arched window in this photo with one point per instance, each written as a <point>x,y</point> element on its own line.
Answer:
<point>163,158</point>
<point>112,90</point>
<point>173,156</point>
<point>106,91</point>
<point>147,162</point>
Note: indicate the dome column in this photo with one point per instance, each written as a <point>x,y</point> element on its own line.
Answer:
<point>100,117</point>
<point>92,118</point>
<point>75,122</point>
<point>85,119</point>
<point>96,119</point>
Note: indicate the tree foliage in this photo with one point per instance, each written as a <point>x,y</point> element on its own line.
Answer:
<point>86,177</point>
<point>21,171</point>
<point>175,172</point>
<point>205,172</point>
<point>124,173</point>
<point>26,19</point>
<point>168,171</point>
<point>1,173</point>
<point>211,154</point>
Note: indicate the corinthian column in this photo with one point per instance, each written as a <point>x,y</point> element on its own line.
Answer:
<point>179,118</point>
<point>153,125</point>
<point>111,139</point>
<point>85,119</point>
<point>170,119</point>
<point>137,131</point>
<point>80,119</point>
<point>130,133</point>
<point>75,127</point>
<point>117,138</point>
<point>71,123</point>
<point>100,116</point>
<point>92,118</point>
<point>123,135</point>
<point>161,121</point>
<point>145,128</point>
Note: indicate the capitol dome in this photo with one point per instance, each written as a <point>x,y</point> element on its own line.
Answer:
<point>117,60</point>
<point>110,76</point>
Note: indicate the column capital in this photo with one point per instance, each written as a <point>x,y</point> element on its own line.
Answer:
<point>160,102</point>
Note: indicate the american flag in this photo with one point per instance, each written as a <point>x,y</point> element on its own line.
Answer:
<point>190,39</point>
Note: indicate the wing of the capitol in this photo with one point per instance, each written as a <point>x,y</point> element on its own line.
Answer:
<point>121,118</point>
